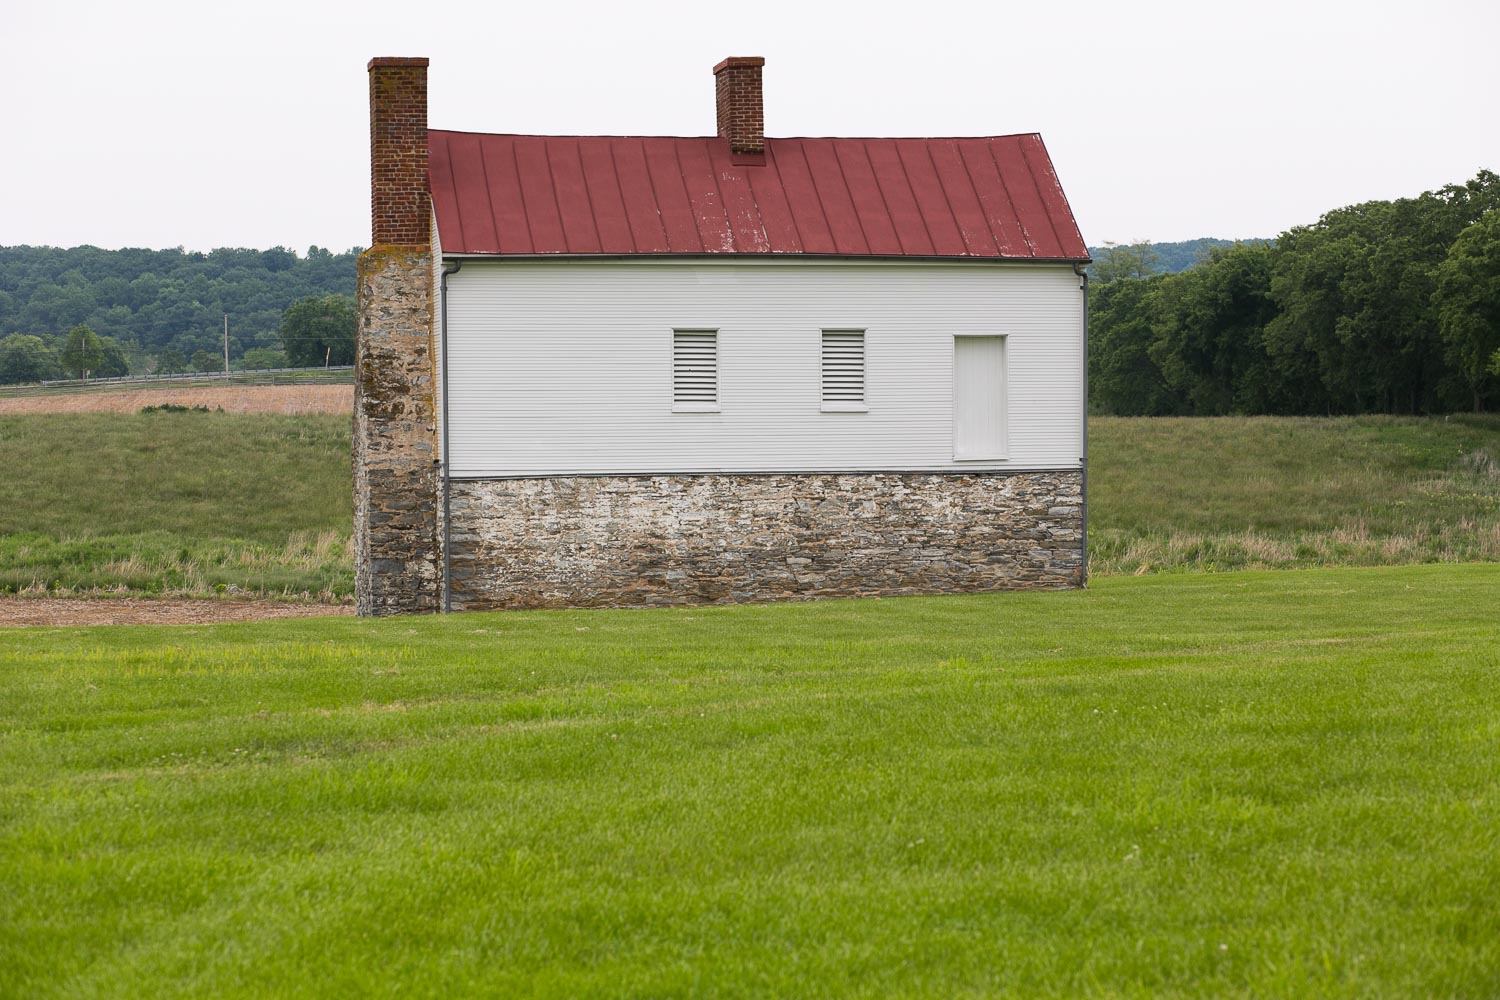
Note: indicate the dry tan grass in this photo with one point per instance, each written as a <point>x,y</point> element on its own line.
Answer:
<point>229,398</point>
<point>44,611</point>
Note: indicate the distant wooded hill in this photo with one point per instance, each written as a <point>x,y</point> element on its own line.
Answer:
<point>150,302</point>
<point>1167,258</point>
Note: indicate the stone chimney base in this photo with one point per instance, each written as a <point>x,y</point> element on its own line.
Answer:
<point>397,488</point>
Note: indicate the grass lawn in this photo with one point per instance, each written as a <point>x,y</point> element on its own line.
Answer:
<point>185,503</point>
<point>1252,784</point>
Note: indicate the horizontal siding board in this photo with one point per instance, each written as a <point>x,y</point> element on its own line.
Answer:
<point>566,366</point>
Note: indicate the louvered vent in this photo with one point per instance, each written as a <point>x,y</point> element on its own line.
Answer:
<point>844,369</point>
<point>695,369</point>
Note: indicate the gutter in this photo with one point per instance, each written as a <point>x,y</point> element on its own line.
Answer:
<point>449,267</point>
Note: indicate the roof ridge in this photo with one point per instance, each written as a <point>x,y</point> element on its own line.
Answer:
<point>769,138</point>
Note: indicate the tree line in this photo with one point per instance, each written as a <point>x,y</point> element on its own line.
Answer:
<point>1381,307</point>
<point>162,311</point>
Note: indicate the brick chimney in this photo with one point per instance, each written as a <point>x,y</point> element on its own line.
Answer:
<point>742,116</point>
<point>400,207</point>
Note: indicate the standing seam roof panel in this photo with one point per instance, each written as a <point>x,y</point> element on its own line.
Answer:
<point>704,197</point>
<point>1027,199</point>
<point>897,195</point>
<point>963,199</point>
<point>744,216</point>
<point>508,218</point>
<point>539,193</point>
<point>835,198</point>
<point>802,199</point>
<point>932,201</point>
<point>641,206</point>
<point>603,188</point>
<point>992,198</point>
<point>1059,215</point>
<point>574,205</point>
<point>769,194</point>
<point>444,188</point>
<point>665,171</point>
<point>869,203</point>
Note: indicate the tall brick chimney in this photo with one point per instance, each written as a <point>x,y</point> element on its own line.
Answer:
<point>742,116</point>
<point>400,207</point>
<point>398,541</point>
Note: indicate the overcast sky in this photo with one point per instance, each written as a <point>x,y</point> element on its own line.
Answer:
<point>198,124</point>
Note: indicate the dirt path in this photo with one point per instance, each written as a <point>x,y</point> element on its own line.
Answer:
<point>231,398</point>
<point>129,611</point>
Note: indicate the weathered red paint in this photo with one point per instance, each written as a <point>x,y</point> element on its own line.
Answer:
<point>995,197</point>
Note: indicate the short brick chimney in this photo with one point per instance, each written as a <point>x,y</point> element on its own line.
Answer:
<point>400,207</point>
<point>742,116</point>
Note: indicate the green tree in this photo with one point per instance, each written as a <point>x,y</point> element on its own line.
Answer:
<point>1210,334</point>
<point>112,360</point>
<point>207,361</point>
<point>1355,293</point>
<point>1123,378</point>
<point>171,362</point>
<point>1468,305</point>
<point>319,327</point>
<point>26,358</point>
<point>82,352</point>
<point>259,358</point>
<point>1124,260</point>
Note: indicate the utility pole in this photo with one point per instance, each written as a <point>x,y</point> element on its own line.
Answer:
<point>226,343</point>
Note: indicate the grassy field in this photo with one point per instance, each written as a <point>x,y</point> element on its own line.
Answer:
<point>1283,492</point>
<point>1250,784</point>
<point>190,503</point>
<point>207,503</point>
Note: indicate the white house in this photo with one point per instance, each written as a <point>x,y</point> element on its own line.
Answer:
<point>613,370</point>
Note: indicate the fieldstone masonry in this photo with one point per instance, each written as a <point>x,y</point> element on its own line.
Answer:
<point>397,532</point>
<point>611,541</point>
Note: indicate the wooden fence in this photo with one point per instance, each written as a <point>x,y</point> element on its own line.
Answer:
<point>193,380</point>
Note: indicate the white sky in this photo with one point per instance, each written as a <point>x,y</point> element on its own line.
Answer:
<point>199,124</point>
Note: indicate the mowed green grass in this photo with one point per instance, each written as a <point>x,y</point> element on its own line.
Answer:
<point>176,503</point>
<point>1247,784</point>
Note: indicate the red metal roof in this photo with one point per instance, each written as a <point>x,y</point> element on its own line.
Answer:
<point>526,194</point>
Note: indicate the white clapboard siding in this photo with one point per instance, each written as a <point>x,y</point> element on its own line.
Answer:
<point>572,366</point>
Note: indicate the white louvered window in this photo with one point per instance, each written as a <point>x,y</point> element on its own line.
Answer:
<point>844,371</point>
<point>695,370</point>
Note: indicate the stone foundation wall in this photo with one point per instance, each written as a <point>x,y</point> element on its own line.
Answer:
<point>397,538</point>
<point>612,541</point>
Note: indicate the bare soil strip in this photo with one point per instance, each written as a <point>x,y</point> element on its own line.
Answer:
<point>128,611</point>
<point>229,398</point>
